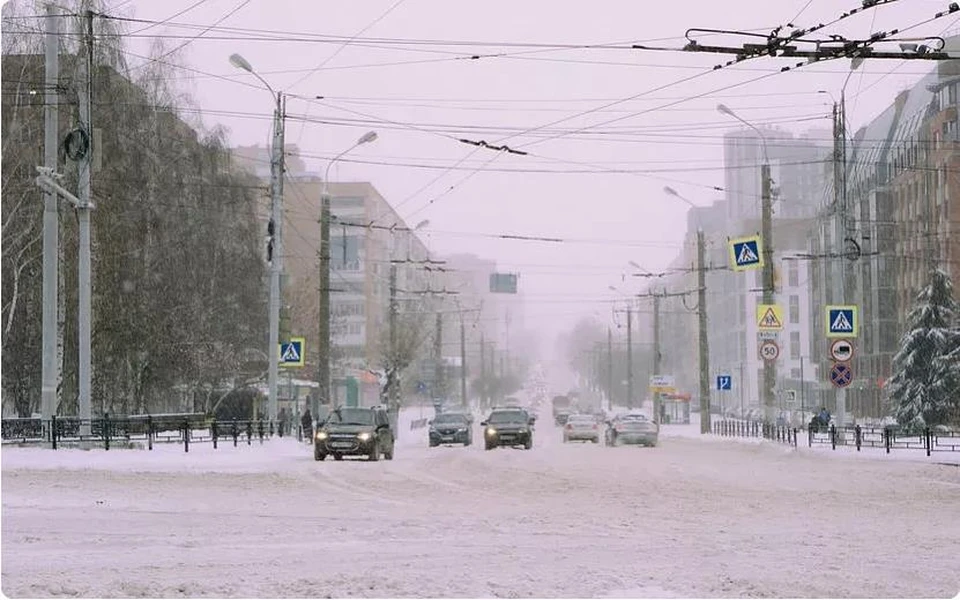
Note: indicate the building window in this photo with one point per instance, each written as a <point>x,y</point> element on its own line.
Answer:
<point>794,345</point>
<point>794,309</point>
<point>345,252</point>
<point>795,373</point>
<point>793,273</point>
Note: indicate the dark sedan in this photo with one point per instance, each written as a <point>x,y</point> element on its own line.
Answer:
<point>508,427</point>
<point>451,428</point>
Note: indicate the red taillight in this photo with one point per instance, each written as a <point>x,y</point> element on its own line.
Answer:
<point>569,426</point>
<point>594,425</point>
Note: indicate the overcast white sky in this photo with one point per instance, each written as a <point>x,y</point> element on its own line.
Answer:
<point>400,89</point>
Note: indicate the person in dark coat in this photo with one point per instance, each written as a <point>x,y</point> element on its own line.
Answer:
<point>307,422</point>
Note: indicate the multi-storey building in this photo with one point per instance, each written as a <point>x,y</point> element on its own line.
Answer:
<point>902,210</point>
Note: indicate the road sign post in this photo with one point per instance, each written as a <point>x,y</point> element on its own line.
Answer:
<point>745,253</point>
<point>769,351</point>
<point>292,352</point>
<point>842,321</point>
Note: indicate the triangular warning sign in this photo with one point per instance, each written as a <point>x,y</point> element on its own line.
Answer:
<point>841,323</point>
<point>290,354</point>
<point>747,255</point>
<point>770,320</point>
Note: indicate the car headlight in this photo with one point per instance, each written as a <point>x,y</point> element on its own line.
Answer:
<point>491,431</point>
<point>462,430</point>
<point>321,435</point>
<point>363,436</point>
<point>522,430</point>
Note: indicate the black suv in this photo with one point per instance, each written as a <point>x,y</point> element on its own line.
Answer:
<point>355,432</point>
<point>451,428</point>
<point>508,427</point>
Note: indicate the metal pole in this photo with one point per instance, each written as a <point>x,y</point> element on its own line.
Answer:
<point>483,372</point>
<point>51,219</point>
<point>392,363</point>
<point>276,258</point>
<point>463,363</point>
<point>656,354</point>
<point>83,176</point>
<point>704,347</point>
<point>323,344</point>
<point>742,386</point>
<point>629,357</point>
<point>769,366</point>
<point>803,408</point>
<point>841,227</point>
<point>438,384</point>
<point>609,370</point>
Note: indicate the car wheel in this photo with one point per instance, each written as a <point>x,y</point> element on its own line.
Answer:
<point>468,441</point>
<point>490,446</point>
<point>596,440</point>
<point>337,457</point>
<point>615,441</point>
<point>528,444</point>
<point>434,445</point>
<point>374,452</point>
<point>389,454</point>
<point>317,455</point>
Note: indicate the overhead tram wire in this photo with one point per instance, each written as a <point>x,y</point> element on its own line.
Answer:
<point>237,8</point>
<point>590,111</point>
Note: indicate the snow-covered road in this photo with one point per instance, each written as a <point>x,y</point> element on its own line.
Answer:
<point>688,518</point>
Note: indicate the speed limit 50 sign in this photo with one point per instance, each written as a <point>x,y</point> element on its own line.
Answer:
<point>769,350</point>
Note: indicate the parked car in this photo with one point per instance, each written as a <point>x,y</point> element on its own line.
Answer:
<point>584,428</point>
<point>632,428</point>
<point>355,432</point>
<point>451,428</point>
<point>508,427</point>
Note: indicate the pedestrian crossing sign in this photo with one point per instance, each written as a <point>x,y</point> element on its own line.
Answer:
<point>769,317</point>
<point>842,321</point>
<point>745,253</point>
<point>291,352</point>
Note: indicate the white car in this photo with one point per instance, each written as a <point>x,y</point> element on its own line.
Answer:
<point>584,428</point>
<point>632,428</point>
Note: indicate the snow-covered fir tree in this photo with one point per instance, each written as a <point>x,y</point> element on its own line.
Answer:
<point>926,371</point>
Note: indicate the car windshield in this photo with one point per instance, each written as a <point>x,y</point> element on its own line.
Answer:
<point>581,419</point>
<point>508,416</point>
<point>449,420</point>
<point>352,416</point>
<point>633,418</point>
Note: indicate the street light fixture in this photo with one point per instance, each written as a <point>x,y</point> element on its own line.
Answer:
<point>323,342</point>
<point>725,110</point>
<point>275,228</point>
<point>672,192</point>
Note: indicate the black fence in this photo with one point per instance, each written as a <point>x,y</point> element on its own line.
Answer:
<point>888,438</point>
<point>142,430</point>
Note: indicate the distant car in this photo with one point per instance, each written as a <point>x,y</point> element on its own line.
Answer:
<point>451,428</point>
<point>631,428</point>
<point>560,418</point>
<point>508,427</point>
<point>584,428</point>
<point>355,432</point>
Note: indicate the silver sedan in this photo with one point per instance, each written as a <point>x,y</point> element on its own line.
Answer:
<point>584,428</point>
<point>632,428</point>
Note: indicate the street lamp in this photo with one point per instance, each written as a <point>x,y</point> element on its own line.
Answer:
<point>629,349</point>
<point>766,219</point>
<point>274,230</point>
<point>323,342</point>
<point>672,192</point>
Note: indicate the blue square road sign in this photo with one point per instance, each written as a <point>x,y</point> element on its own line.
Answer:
<point>724,382</point>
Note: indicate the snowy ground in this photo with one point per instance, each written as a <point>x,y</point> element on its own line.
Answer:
<point>689,518</point>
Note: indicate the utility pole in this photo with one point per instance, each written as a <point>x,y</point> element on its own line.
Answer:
<point>483,372</point>
<point>323,342</point>
<point>438,384</point>
<point>275,255</point>
<point>840,225</point>
<point>85,81</point>
<point>769,366</point>
<point>51,219</point>
<point>704,343</point>
<point>629,357</point>
<point>463,363</point>
<point>392,382</point>
<point>656,354</point>
<point>609,369</point>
